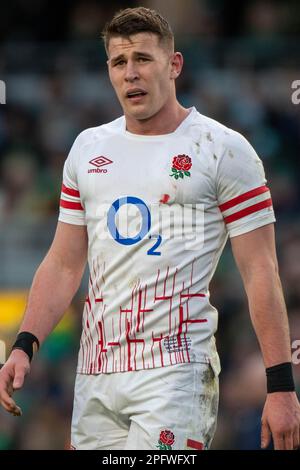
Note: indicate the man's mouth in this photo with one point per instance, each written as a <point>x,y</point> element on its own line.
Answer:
<point>135,94</point>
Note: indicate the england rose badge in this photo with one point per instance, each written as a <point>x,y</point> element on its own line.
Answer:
<point>181,165</point>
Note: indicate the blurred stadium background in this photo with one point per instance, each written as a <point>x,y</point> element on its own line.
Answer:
<point>240,61</point>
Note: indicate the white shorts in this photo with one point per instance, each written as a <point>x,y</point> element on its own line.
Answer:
<point>172,407</point>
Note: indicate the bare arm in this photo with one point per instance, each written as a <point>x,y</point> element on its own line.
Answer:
<point>255,255</point>
<point>54,285</point>
<point>56,280</point>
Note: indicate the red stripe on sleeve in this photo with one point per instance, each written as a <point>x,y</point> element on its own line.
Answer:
<point>243,197</point>
<point>70,191</point>
<point>248,210</point>
<point>71,205</point>
<point>195,444</point>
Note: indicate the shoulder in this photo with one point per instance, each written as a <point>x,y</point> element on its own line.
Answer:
<point>219,134</point>
<point>92,134</point>
<point>208,127</point>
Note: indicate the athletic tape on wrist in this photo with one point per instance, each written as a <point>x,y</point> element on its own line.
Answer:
<point>280,378</point>
<point>27,342</point>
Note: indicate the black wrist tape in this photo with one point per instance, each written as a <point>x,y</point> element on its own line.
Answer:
<point>27,342</point>
<point>280,378</point>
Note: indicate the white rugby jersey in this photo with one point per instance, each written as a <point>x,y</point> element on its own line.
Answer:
<point>158,211</point>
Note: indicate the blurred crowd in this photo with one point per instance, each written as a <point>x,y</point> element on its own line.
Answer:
<point>240,62</point>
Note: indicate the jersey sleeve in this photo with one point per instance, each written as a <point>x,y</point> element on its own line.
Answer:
<point>243,197</point>
<point>71,209</point>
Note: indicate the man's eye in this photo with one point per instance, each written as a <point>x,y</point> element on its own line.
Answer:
<point>143,59</point>
<point>120,62</point>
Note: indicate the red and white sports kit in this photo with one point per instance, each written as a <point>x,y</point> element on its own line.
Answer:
<point>158,211</point>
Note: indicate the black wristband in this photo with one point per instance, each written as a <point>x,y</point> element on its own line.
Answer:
<point>280,378</point>
<point>27,342</point>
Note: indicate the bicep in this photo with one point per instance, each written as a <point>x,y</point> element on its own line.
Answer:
<point>69,246</point>
<point>255,251</point>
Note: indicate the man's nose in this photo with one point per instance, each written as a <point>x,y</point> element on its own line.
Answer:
<point>131,72</point>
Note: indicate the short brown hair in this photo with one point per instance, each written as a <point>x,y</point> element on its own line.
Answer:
<point>131,21</point>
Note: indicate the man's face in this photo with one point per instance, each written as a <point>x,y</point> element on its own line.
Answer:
<point>140,70</point>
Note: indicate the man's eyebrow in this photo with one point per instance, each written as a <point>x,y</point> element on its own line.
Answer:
<point>135,54</point>
<point>143,54</point>
<point>118,57</point>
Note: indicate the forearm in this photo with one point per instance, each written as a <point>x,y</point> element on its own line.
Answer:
<point>51,293</point>
<point>268,315</point>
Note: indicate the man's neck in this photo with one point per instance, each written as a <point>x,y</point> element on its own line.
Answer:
<point>165,121</point>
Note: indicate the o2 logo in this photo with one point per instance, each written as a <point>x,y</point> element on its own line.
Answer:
<point>145,227</point>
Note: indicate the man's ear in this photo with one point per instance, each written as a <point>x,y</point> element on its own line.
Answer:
<point>176,65</point>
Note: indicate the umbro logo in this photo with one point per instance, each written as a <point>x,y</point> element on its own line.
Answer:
<point>98,162</point>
